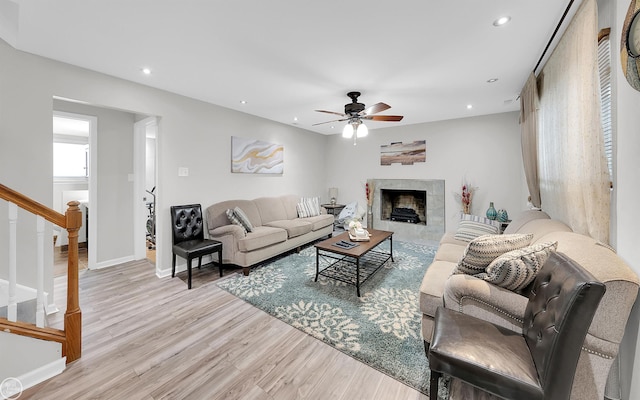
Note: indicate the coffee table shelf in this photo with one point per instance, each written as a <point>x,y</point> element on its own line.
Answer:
<point>356,265</point>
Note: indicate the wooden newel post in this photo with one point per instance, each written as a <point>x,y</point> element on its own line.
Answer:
<point>73,315</point>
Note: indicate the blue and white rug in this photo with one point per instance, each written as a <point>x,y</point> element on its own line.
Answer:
<point>381,328</point>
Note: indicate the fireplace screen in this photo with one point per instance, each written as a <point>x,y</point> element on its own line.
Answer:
<point>403,205</point>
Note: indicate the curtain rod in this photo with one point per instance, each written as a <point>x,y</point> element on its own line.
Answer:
<point>553,36</point>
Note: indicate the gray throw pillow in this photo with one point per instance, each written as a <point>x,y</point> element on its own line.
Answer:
<point>244,220</point>
<point>481,251</point>
<point>234,219</point>
<point>516,269</point>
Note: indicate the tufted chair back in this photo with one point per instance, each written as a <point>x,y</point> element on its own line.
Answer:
<point>562,302</point>
<point>187,223</point>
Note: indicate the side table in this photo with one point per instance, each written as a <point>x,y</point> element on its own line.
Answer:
<point>334,209</point>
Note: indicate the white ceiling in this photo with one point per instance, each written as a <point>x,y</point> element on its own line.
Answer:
<point>428,59</point>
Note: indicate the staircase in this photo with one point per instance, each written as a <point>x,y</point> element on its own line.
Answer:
<point>31,351</point>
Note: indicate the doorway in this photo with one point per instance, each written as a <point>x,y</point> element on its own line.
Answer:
<point>73,136</point>
<point>145,188</point>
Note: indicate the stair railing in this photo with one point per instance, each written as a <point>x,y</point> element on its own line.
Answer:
<point>71,337</point>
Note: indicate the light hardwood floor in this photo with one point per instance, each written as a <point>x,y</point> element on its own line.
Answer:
<point>150,338</point>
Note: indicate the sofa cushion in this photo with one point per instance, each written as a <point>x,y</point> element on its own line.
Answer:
<point>320,221</point>
<point>294,227</point>
<point>271,209</point>
<point>483,250</point>
<point>541,227</point>
<point>233,218</point>
<point>308,207</point>
<point>262,236</point>
<point>516,269</point>
<point>432,287</point>
<point>523,218</point>
<point>469,230</point>
<point>450,252</point>
<point>243,218</point>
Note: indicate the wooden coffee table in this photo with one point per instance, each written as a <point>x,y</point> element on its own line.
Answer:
<point>355,265</point>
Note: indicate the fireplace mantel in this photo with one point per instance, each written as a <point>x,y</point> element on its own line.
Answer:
<point>435,213</point>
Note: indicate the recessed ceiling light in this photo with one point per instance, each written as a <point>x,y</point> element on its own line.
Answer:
<point>492,80</point>
<point>469,106</point>
<point>243,102</point>
<point>146,71</point>
<point>501,21</point>
<point>295,118</point>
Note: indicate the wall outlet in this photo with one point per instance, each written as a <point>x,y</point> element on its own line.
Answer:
<point>183,171</point>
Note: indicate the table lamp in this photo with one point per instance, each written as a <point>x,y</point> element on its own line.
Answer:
<point>333,195</point>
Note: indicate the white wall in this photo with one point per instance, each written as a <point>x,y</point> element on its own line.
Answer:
<point>486,150</point>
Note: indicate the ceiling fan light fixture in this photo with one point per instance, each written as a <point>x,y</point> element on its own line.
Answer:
<point>347,131</point>
<point>362,130</point>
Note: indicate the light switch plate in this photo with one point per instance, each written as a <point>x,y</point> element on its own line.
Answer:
<point>183,171</point>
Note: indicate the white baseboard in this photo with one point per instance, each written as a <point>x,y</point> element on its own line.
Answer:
<point>163,273</point>
<point>111,263</point>
<point>43,373</point>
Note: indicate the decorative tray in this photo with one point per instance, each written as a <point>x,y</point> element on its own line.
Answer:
<point>359,238</point>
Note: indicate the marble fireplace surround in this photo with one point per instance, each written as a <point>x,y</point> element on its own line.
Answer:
<point>435,214</point>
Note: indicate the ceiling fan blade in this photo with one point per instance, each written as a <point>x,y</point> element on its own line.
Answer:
<point>335,120</point>
<point>394,118</point>
<point>331,112</point>
<point>376,108</point>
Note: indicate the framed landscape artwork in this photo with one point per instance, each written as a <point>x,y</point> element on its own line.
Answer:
<point>251,156</point>
<point>403,153</point>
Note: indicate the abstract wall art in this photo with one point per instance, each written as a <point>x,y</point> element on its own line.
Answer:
<point>251,156</point>
<point>403,153</point>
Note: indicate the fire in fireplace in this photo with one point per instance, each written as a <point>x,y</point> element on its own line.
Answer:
<point>403,205</point>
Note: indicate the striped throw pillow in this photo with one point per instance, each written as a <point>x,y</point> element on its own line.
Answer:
<point>469,230</point>
<point>478,218</point>
<point>244,220</point>
<point>308,207</point>
<point>234,219</point>
<point>481,251</point>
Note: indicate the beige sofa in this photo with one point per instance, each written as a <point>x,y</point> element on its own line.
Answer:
<point>470,295</point>
<point>277,229</point>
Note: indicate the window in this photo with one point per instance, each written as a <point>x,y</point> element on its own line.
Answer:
<point>604,70</point>
<point>70,147</point>
<point>70,160</point>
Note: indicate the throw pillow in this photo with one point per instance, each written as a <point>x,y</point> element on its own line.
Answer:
<point>234,219</point>
<point>244,220</point>
<point>308,207</point>
<point>481,251</point>
<point>516,269</point>
<point>478,218</point>
<point>469,230</point>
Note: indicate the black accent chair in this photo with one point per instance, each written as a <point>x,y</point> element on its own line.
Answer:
<point>538,364</point>
<point>188,237</point>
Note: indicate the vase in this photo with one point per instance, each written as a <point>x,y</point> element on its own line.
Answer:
<point>491,212</point>
<point>466,208</point>
<point>503,216</point>
<point>369,217</point>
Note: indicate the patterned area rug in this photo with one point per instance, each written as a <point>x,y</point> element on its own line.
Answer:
<point>381,328</point>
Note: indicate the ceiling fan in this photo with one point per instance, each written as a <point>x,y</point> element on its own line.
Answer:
<point>355,112</point>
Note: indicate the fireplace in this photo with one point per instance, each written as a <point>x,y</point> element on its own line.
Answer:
<point>424,196</point>
<point>402,205</point>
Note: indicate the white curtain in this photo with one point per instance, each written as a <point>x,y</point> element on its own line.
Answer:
<point>574,180</point>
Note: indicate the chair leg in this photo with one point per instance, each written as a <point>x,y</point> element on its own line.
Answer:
<point>220,262</point>
<point>433,385</point>
<point>189,273</point>
<point>173,266</point>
